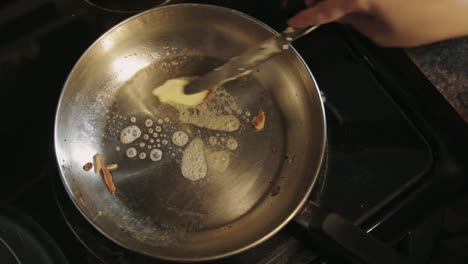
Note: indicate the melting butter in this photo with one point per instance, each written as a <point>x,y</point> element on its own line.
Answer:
<point>172,92</point>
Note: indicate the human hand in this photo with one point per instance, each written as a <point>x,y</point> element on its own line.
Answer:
<point>403,23</point>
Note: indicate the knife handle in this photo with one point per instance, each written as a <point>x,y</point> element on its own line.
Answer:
<point>290,34</point>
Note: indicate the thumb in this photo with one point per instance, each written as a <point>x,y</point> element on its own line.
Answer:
<point>324,12</point>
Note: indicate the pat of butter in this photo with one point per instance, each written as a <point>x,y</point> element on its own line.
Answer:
<point>172,92</point>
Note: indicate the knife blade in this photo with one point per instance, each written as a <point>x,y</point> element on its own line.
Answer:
<point>245,63</point>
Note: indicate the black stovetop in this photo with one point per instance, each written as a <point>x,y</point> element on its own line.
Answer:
<point>390,156</point>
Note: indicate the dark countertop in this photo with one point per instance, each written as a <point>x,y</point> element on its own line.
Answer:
<point>445,64</point>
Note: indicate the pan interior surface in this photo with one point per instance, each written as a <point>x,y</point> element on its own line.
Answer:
<point>192,183</point>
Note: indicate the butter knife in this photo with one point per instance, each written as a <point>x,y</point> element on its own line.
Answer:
<point>247,61</point>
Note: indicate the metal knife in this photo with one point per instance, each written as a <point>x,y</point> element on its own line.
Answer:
<point>247,61</point>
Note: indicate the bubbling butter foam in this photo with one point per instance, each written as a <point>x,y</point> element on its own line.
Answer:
<point>194,166</point>
<point>172,92</point>
<point>216,112</point>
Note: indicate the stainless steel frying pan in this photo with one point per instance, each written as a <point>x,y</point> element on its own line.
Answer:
<point>156,210</point>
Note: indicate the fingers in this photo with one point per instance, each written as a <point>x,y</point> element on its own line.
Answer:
<point>374,29</point>
<point>324,12</point>
<point>366,24</point>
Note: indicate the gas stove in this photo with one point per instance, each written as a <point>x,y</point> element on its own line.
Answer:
<point>395,147</point>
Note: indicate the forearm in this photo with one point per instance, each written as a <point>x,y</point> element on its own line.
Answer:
<point>401,23</point>
<point>418,22</point>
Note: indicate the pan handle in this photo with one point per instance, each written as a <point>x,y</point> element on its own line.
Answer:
<point>340,238</point>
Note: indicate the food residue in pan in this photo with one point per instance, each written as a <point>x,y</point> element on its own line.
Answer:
<point>275,190</point>
<point>258,121</point>
<point>108,181</point>
<point>105,171</point>
<point>88,166</point>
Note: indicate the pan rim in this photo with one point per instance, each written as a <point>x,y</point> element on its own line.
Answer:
<point>261,238</point>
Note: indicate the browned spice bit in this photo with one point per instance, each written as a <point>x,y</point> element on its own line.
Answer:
<point>100,166</point>
<point>275,190</point>
<point>259,121</point>
<point>88,166</point>
<point>107,176</point>
<point>274,149</point>
<point>208,95</point>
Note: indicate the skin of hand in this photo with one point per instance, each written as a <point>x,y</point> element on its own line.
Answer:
<point>391,23</point>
